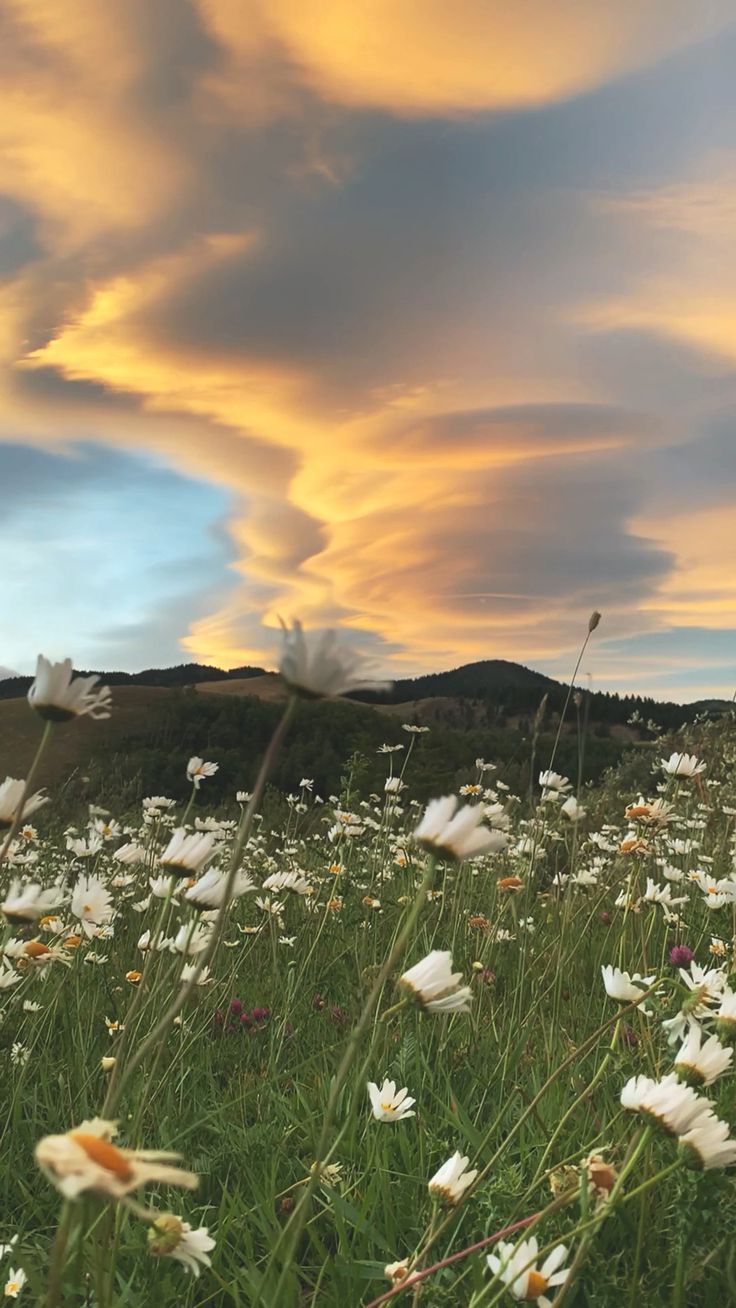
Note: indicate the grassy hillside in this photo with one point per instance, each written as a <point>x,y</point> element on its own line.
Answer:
<point>143,747</point>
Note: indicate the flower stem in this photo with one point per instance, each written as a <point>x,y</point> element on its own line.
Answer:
<point>48,727</point>
<point>295,1225</point>
<point>203,960</point>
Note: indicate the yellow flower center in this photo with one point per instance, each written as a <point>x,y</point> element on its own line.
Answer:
<point>387,1106</point>
<point>536,1284</point>
<point>12,1287</point>
<point>104,1154</point>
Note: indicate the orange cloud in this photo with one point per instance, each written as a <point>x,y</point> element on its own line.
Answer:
<point>418,455</point>
<point>414,57</point>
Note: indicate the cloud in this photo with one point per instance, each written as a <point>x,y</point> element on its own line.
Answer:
<point>404,56</point>
<point>452,372</point>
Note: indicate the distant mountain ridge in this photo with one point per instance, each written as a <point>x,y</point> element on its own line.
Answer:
<point>499,688</point>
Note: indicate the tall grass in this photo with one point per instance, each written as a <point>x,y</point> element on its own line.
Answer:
<point>263,1070</point>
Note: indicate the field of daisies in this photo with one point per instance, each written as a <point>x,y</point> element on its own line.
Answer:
<point>472,1053</point>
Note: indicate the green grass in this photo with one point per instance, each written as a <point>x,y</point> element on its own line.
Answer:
<point>245,1109</point>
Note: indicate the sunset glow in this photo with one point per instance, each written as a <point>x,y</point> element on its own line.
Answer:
<point>410,318</point>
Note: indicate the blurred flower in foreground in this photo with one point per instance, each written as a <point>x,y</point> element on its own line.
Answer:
<point>28,903</point>
<point>457,833</point>
<point>315,664</point>
<point>85,1159</point>
<point>11,794</point>
<point>57,695</point>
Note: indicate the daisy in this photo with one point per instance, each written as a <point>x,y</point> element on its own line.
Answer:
<point>186,855</point>
<point>85,1159</point>
<point>91,903</point>
<point>15,1282</point>
<point>27,903</point>
<point>390,1104</point>
<point>553,783</point>
<point>192,942</point>
<point>171,1237</point>
<point>209,891</point>
<point>434,985</point>
<point>315,664</point>
<point>11,797</point>
<point>452,1180</point>
<point>456,833</point>
<point>572,810</point>
<point>294,881</point>
<point>623,987</point>
<point>682,765</point>
<point>674,1107</point>
<point>58,696</point>
<point>725,1016</point>
<point>701,1064</point>
<point>708,1144</point>
<point>517,1268</point>
<point>198,770</point>
<point>130,854</point>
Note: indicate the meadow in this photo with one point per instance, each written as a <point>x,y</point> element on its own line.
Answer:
<point>353,1048</point>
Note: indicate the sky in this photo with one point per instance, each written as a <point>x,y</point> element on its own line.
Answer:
<point>412,318</point>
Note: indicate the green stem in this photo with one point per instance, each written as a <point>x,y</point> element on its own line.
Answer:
<point>204,959</point>
<point>47,729</point>
<point>58,1256</point>
<point>295,1225</point>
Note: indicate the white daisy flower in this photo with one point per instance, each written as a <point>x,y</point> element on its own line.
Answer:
<point>185,855</point>
<point>171,1237</point>
<point>390,1104</point>
<point>198,770</point>
<point>85,1158</point>
<point>27,903</point>
<point>517,1269</point>
<point>708,1144</point>
<point>623,987</point>
<point>702,1064</point>
<point>452,1180</point>
<point>682,765</point>
<point>91,903</point>
<point>11,795</point>
<point>57,695</point>
<point>434,984</point>
<point>209,891</point>
<point>315,664</point>
<point>457,833</point>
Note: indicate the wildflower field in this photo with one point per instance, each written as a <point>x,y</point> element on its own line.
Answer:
<point>466,1053</point>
